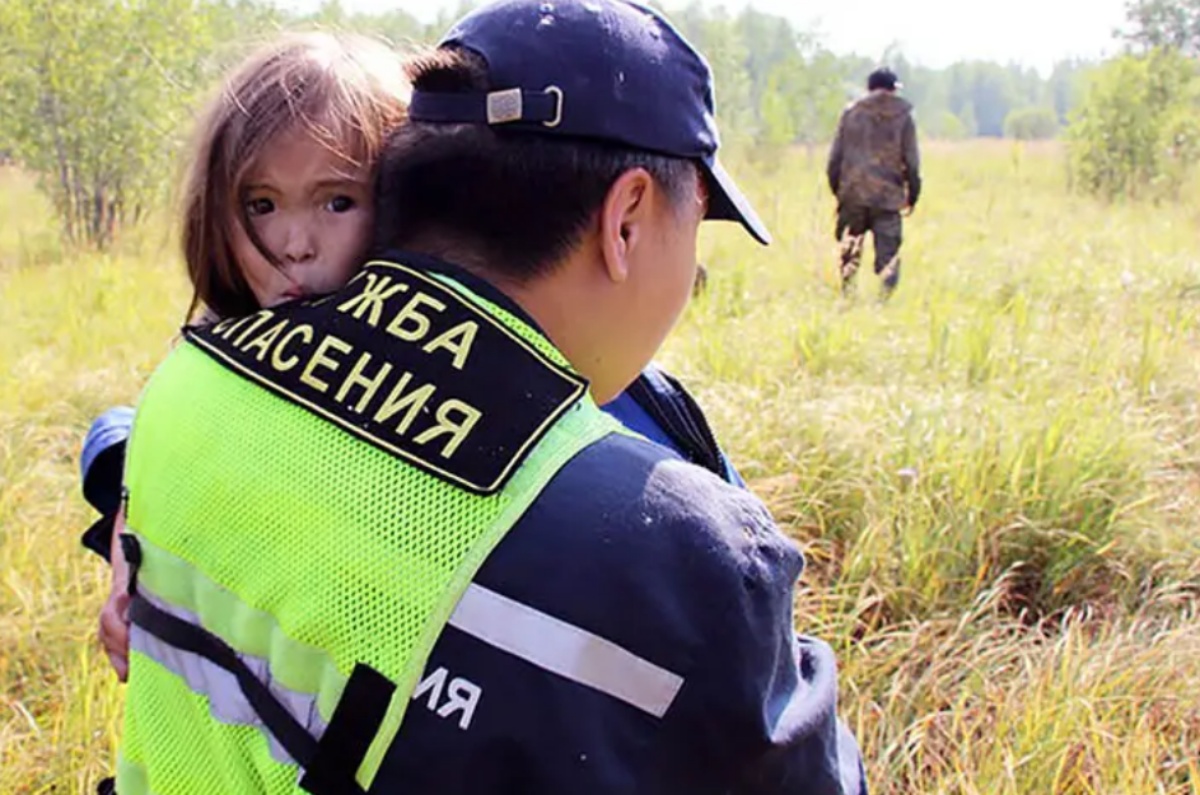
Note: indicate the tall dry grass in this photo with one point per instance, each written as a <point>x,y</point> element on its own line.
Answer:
<point>996,474</point>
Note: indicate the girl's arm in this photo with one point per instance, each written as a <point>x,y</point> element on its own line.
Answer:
<point>102,463</point>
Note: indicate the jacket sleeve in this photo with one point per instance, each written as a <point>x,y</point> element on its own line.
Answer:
<point>833,168</point>
<point>763,704</point>
<point>812,750</point>
<point>101,467</point>
<point>912,161</point>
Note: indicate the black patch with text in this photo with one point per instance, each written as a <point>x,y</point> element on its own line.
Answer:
<point>408,364</point>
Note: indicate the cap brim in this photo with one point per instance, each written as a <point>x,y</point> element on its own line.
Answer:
<point>726,202</point>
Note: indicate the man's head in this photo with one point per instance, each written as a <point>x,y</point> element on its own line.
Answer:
<point>883,79</point>
<point>566,151</point>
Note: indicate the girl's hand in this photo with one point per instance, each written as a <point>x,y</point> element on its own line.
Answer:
<point>114,616</point>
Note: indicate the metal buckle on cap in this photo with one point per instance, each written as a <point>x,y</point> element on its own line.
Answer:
<point>557,93</point>
<point>504,106</point>
<point>509,105</point>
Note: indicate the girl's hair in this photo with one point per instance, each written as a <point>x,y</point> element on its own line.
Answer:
<point>347,92</point>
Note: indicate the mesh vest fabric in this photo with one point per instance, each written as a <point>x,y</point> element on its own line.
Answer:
<point>298,544</point>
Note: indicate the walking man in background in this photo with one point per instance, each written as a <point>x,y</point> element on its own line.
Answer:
<point>874,170</point>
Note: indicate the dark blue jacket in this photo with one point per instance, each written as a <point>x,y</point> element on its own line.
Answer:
<point>688,577</point>
<point>633,633</point>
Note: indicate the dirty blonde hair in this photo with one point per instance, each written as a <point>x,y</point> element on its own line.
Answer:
<point>347,92</point>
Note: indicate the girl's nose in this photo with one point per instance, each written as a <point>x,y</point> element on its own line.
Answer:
<point>299,245</point>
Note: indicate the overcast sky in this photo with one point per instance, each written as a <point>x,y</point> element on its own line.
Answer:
<point>932,32</point>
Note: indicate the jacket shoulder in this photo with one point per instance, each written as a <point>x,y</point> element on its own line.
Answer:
<point>661,538</point>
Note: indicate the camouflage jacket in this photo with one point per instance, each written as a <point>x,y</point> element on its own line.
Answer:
<point>874,160</point>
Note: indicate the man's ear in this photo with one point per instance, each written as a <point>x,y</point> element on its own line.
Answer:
<point>623,219</point>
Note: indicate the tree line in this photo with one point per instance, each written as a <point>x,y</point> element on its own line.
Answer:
<point>780,84</point>
<point>1136,133</point>
<point>98,94</point>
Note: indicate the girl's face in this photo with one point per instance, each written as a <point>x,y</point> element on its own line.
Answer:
<point>312,211</point>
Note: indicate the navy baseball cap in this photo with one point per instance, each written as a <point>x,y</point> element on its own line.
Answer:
<point>606,70</point>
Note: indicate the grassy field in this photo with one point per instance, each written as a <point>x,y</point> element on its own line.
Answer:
<point>996,475</point>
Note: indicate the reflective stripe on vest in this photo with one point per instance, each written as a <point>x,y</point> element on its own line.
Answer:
<point>226,700</point>
<point>367,551</point>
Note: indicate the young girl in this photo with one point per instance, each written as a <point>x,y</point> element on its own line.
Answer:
<point>278,202</point>
<point>279,206</point>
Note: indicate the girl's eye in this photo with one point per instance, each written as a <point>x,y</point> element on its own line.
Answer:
<point>340,204</point>
<point>259,206</point>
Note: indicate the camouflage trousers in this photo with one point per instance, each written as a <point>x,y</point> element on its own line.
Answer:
<point>853,223</point>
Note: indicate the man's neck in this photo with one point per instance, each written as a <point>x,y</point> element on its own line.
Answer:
<point>566,305</point>
<point>561,305</point>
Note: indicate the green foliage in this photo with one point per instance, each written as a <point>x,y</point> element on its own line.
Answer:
<point>983,94</point>
<point>725,48</point>
<point>1031,124</point>
<point>96,95</point>
<point>1172,24</point>
<point>967,117</point>
<point>1065,88</point>
<point>945,126</point>
<point>797,85</point>
<point>992,95</point>
<point>814,94</point>
<point>395,26</point>
<point>777,85</point>
<point>1136,132</point>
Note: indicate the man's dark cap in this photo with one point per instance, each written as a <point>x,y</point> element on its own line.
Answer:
<point>604,70</point>
<point>883,78</point>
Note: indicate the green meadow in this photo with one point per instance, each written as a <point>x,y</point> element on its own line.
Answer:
<point>995,475</point>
